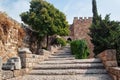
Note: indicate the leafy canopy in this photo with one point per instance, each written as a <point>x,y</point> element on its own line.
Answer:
<point>105,33</point>
<point>79,49</point>
<point>44,18</point>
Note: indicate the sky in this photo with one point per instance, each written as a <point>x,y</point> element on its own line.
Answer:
<point>71,8</point>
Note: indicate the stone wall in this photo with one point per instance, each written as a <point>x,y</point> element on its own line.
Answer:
<point>10,37</point>
<point>0,68</point>
<point>8,74</point>
<point>109,60</point>
<point>28,61</point>
<point>80,29</point>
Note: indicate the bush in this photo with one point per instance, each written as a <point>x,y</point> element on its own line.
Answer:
<point>79,49</point>
<point>60,41</point>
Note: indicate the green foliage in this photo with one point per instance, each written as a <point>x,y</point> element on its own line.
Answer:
<point>60,41</point>
<point>105,34</point>
<point>45,19</point>
<point>94,10</point>
<point>79,49</point>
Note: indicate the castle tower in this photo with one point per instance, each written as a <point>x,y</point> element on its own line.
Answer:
<point>80,30</point>
<point>75,19</point>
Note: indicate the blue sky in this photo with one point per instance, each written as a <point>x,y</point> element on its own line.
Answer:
<point>71,8</point>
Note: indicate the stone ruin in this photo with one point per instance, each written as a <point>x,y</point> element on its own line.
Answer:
<point>11,35</point>
<point>13,63</point>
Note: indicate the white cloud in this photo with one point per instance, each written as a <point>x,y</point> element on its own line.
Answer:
<point>72,8</point>
<point>19,7</point>
<point>78,9</point>
<point>67,6</point>
<point>15,9</point>
<point>1,9</point>
<point>109,6</point>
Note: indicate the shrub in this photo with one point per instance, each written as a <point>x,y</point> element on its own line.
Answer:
<point>60,41</point>
<point>79,49</point>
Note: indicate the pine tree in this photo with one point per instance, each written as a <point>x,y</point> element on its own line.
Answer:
<point>94,10</point>
<point>105,33</point>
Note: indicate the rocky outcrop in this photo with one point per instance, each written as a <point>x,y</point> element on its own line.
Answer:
<point>11,35</point>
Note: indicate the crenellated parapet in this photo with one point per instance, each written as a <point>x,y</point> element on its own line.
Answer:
<point>82,19</point>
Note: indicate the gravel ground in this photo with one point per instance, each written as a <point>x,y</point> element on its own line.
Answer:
<point>68,77</point>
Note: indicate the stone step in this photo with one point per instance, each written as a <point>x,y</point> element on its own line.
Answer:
<point>72,61</point>
<point>69,56</point>
<point>68,77</point>
<point>59,59</point>
<point>70,66</point>
<point>62,53</point>
<point>68,72</point>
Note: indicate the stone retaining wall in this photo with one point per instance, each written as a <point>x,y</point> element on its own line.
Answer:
<point>28,61</point>
<point>108,58</point>
<point>11,35</point>
<point>0,68</point>
<point>12,74</point>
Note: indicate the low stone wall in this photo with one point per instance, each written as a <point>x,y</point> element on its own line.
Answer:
<point>28,61</point>
<point>11,74</point>
<point>109,60</point>
<point>115,72</point>
<point>0,68</point>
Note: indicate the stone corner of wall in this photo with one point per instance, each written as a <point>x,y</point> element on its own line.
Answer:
<point>108,55</point>
<point>115,72</point>
<point>109,60</point>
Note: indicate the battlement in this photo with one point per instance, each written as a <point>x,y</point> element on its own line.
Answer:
<point>82,19</point>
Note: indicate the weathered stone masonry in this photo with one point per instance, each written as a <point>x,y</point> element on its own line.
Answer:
<point>80,29</point>
<point>10,37</point>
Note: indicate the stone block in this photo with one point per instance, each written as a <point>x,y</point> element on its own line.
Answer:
<point>108,55</point>
<point>118,78</point>
<point>114,77</point>
<point>26,55</point>
<point>28,65</point>
<point>24,50</point>
<point>30,60</point>
<point>17,62</point>
<point>0,64</point>
<point>36,56</point>
<point>111,63</point>
<point>19,72</point>
<point>8,66</point>
<point>7,75</point>
<point>0,68</point>
<point>27,70</point>
<point>115,71</point>
<point>111,70</point>
<point>12,64</point>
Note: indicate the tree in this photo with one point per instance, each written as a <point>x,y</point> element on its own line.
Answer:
<point>95,12</point>
<point>45,19</point>
<point>105,34</point>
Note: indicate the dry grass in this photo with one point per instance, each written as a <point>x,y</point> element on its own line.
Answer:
<point>5,24</point>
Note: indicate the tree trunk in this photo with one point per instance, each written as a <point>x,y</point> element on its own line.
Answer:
<point>118,53</point>
<point>118,57</point>
<point>47,41</point>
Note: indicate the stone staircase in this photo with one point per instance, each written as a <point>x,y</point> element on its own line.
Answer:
<point>63,66</point>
